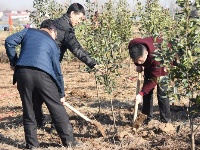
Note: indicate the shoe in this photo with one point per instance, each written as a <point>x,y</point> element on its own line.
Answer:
<point>146,121</point>
<point>77,144</point>
<point>31,147</point>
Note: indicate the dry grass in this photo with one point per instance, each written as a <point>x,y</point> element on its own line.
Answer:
<point>3,36</point>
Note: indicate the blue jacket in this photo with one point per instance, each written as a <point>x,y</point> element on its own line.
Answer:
<point>39,50</point>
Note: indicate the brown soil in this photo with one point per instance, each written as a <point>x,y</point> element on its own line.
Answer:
<point>81,93</point>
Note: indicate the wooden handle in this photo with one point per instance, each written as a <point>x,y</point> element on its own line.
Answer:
<point>137,91</point>
<point>135,111</point>
<point>138,83</point>
<point>77,112</point>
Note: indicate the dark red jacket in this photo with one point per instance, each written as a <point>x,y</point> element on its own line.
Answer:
<point>152,68</point>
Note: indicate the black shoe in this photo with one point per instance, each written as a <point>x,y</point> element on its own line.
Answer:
<point>146,121</point>
<point>31,147</point>
<point>77,144</point>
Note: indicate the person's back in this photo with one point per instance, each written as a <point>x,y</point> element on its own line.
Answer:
<point>37,71</point>
<point>36,52</point>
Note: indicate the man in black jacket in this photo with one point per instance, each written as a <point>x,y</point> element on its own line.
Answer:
<point>66,39</point>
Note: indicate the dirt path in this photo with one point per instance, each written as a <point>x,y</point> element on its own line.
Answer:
<point>81,93</point>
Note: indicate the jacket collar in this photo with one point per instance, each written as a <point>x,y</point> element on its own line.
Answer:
<point>66,18</point>
<point>63,23</point>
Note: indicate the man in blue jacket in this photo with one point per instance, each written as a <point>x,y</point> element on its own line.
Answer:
<point>37,69</point>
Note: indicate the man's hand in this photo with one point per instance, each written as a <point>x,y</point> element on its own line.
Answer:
<point>139,69</point>
<point>62,100</point>
<point>139,98</point>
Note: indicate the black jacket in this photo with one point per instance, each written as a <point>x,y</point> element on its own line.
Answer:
<point>66,39</point>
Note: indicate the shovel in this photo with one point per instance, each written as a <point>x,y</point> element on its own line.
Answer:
<point>137,91</point>
<point>94,122</point>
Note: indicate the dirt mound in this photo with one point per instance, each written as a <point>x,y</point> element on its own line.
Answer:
<point>159,127</point>
<point>78,93</point>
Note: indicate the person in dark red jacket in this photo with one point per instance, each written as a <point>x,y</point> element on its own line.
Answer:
<point>141,50</point>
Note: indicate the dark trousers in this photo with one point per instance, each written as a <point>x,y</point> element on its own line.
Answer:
<point>163,101</point>
<point>37,107</point>
<point>29,81</point>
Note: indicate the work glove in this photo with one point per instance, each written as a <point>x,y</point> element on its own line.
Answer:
<point>139,98</point>
<point>62,100</point>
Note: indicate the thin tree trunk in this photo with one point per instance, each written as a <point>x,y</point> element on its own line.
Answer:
<point>112,108</point>
<point>97,90</point>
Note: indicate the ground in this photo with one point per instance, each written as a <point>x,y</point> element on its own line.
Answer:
<point>81,93</point>
<point>85,96</point>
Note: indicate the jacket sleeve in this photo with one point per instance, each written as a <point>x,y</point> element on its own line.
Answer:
<point>10,45</point>
<point>58,73</point>
<point>152,78</point>
<point>71,42</point>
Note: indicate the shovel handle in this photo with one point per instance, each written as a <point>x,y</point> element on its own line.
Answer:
<point>135,111</point>
<point>138,83</point>
<point>76,111</point>
<point>137,91</point>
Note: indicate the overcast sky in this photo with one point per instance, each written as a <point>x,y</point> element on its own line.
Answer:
<point>28,4</point>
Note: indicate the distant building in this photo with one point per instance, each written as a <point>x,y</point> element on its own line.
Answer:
<point>15,15</point>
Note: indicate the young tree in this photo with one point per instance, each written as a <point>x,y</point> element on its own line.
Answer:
<point>105,39</point>
<point>46,9</point>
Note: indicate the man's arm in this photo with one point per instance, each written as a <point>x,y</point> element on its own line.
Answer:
<point>57,70</point>
<point>10,44</point>
<point>71,42</point>
<point>155,73</point>
<point>148,85</point>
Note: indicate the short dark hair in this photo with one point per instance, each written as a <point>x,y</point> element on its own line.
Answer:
<point>136,51</point>
<point>77,8</point>
<point>49,24</point>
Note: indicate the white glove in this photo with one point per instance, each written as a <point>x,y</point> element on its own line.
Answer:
<point>62,100</point>
<point>139,98</point>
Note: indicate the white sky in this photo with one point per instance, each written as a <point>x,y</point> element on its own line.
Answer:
<point>28,4</point>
